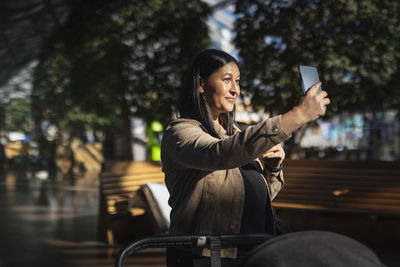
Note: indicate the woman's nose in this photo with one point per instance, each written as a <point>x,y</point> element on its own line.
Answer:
<point>235,88</point>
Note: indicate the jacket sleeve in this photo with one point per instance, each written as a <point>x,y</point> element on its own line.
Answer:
<point>275,182</point>
<point>187,145</point>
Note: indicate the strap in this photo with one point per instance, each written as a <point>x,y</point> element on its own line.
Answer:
<point>215,247</point>
<point>268,168</point>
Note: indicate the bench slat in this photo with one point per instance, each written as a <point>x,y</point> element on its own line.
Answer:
<point>342,176</point>
<point>342,209</point>
<point>128,167</point>
<point>117,179</point>
<point>132,182</point>
<point>320,188</point>
<point>335,200</point>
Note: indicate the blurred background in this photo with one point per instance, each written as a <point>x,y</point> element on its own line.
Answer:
<point>84,83</point>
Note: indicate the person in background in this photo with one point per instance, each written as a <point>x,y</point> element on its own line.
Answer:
<point>222,179</point>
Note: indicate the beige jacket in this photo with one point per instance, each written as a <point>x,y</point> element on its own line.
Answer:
<point>203,177</point>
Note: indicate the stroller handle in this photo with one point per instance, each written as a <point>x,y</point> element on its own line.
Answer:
<point>215,242</point>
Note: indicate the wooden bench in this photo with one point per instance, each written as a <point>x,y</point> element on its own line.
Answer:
<point>344,186</point>
<point>119,182</point>
<point>359,189</point>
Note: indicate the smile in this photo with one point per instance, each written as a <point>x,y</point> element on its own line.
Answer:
<point>231,99</point>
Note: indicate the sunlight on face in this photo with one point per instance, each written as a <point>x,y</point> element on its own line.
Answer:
<point>222,89</point>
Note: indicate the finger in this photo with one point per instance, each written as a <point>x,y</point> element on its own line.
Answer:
<point>274,148</point>
<point>326,101</point>
<point>268,154</point>
<point>323,94</point>
<point>277,155</point>
<point>272,154</point>
<point>313,90</point>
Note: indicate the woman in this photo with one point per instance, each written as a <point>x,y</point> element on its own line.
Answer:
<point>213,171</point>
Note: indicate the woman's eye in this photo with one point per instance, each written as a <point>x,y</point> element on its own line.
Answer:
<point>227,79</point>
<point>237,81</point>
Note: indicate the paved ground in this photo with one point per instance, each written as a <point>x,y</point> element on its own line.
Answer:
<point>46,222</point>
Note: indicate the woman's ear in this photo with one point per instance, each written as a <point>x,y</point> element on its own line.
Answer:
<point>202,85</point>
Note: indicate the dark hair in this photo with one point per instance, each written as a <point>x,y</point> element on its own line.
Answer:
<point>192,103</point>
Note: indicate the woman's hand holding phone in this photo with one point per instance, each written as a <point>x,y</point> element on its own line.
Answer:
<point>312,105</point>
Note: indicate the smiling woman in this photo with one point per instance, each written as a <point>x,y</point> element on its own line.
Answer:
<point>221,178</point>
<point>213,77</point>
<point>222,89</point>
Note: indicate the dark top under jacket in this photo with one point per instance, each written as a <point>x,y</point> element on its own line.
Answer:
<point>257,215</point>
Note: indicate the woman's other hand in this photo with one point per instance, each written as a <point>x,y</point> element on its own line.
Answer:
<point>274,156</point>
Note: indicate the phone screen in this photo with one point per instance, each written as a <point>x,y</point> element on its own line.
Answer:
<point>309,76</point>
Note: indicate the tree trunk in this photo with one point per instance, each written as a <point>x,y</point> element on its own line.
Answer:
<point>123,141</point>
<point>397,135</point>
<point>118,139</point>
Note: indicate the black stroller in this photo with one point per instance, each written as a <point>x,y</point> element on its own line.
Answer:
<point>299,249</point>
<point>215,243</point>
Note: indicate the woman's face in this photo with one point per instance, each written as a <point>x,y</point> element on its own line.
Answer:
<point>222,89</point>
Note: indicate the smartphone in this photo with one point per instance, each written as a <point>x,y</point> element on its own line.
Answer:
<point>309,76</point>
